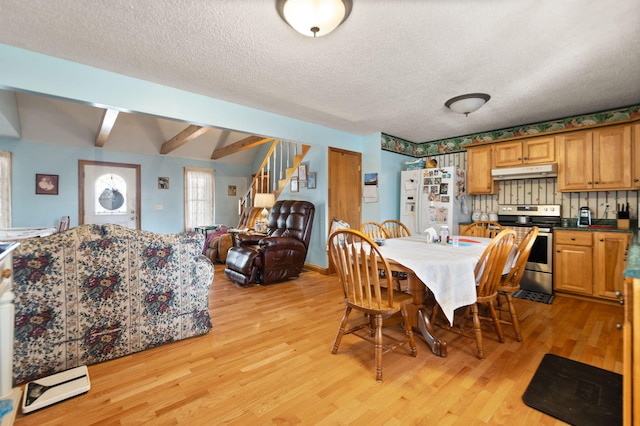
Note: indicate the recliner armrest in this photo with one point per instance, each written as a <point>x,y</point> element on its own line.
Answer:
<point>248,239</point>
<point>267,243</point>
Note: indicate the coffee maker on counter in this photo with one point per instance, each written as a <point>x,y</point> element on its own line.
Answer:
<point>584,217</point>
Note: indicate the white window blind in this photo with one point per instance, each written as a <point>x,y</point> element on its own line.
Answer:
<point>5,190</point>
<point>198,197</point>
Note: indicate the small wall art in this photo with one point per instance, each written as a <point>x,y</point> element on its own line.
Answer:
<point>231,190</point>
<point>311,180</point>
<point>295,184</point>
<point>46,184</point>
<point>163,183</point>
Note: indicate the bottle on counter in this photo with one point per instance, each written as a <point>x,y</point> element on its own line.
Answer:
<point>444,234</point>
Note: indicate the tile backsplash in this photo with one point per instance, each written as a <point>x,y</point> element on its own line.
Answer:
<point>545,191</point>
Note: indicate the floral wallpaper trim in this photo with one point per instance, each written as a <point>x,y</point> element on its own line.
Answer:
<point>443,146</point>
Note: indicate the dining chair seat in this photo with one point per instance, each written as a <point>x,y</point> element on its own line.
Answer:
<point>357,261</point>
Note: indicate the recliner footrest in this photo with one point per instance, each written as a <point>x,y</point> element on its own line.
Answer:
<point>243,264</point>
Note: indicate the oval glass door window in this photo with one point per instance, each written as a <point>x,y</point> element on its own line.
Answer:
<point>111,189</point>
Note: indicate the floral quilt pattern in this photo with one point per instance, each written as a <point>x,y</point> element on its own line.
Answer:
<point>98,292</point>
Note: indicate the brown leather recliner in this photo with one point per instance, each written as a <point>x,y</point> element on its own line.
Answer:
<point>257,259</point>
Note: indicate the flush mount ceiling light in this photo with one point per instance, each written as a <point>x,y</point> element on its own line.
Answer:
<point>314,18</point>
<point>465,104</point>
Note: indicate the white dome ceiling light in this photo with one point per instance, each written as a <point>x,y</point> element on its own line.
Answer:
<point>314,18</point>
<point>466,104</point>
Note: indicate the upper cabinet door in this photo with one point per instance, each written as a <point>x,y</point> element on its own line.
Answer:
<point>479,179</point>
<point>530,151</point>
<point>508,154</point>
<point>539,150</point>
<point>612,158</point>
<point>575,161</point>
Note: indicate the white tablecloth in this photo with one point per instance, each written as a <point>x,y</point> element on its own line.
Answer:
<point>446,270</point>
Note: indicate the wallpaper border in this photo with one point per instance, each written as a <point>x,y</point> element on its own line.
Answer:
<point>444,146</point>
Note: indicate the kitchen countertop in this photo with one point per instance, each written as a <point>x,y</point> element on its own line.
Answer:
<point>604,225</point>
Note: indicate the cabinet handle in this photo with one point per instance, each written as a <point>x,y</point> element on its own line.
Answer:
<point>590,183</point>
<point>636,180</point>
<point>618,294</point>
<point>526,158</point>
<point>558,251</point>
<point>519,159</point>
<point>573,238</point>
<point>619,326</point>
<point>601,239</point>
<point>6,273</point>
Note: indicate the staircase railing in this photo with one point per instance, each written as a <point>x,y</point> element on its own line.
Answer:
<point>279,165</point>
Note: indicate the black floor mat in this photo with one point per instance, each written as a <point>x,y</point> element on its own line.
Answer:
<point>534,296</point>
<point>575,393</point>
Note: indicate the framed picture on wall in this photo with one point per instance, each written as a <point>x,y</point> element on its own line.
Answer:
<point>163,183</point>
<point>46,184</point>
<point>231,190</point>
<point>311,180</point>
<point>295,184</point>
<point>302,172</point>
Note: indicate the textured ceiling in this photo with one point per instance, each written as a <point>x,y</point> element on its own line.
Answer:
<point>389,68</point>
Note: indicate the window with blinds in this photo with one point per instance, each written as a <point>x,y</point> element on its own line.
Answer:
<point>198,197</point>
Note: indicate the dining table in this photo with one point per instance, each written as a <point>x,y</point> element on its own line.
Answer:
<point>446,270</point>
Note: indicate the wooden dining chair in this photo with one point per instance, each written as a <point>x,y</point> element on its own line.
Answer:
<point>510,283</point>
<point>373,230</point>
<point>483,228</point>
<point>395,228</point>
<point>488,272</point>
<point>357,260</point>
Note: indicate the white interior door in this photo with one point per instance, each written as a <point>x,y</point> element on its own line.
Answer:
<point>110,194</point>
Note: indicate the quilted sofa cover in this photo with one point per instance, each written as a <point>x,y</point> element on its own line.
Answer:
<point>99,292</point>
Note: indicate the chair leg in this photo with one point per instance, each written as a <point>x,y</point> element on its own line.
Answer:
<point>514,317</point>
<point>378,347</point>
<point>409,332</point>
<point>341,330</point>
<point>496,322</point>
<point>478,330</point>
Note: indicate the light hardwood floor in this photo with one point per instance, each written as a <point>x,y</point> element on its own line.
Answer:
<point>268,360</point>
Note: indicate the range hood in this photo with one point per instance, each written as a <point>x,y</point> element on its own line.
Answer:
<point>526,172</point>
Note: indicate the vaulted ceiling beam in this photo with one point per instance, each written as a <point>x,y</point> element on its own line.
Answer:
<point>187,135</point>
<point>241,145</point>
<point>106,125</point>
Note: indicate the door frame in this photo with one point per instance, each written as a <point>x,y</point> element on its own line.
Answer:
<point>83,163</point>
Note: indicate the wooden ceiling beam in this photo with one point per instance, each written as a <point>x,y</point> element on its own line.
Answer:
<point>241,145</point>
<point>187,135</point>
<point>106,125</point>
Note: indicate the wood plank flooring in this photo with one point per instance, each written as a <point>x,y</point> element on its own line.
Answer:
<point>268,361</point>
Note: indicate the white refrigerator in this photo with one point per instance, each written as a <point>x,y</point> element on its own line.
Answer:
<point>433,197</point>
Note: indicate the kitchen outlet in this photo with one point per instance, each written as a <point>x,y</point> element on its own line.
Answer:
<point>158,207</point>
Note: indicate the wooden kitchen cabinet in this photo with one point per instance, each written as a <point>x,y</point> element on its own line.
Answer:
<point>590,263</point>
<point>595,160</point>
<point>573,262</point>
<point>479,163</point>
<point>609,257</point>
<point>635,167</point>
<point>530,151</point>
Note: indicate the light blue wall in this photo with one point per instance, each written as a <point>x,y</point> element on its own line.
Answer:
<point>32,210</point>
<point>27,71</point>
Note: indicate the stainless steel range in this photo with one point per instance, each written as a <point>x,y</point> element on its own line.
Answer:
<point>538,275</point>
